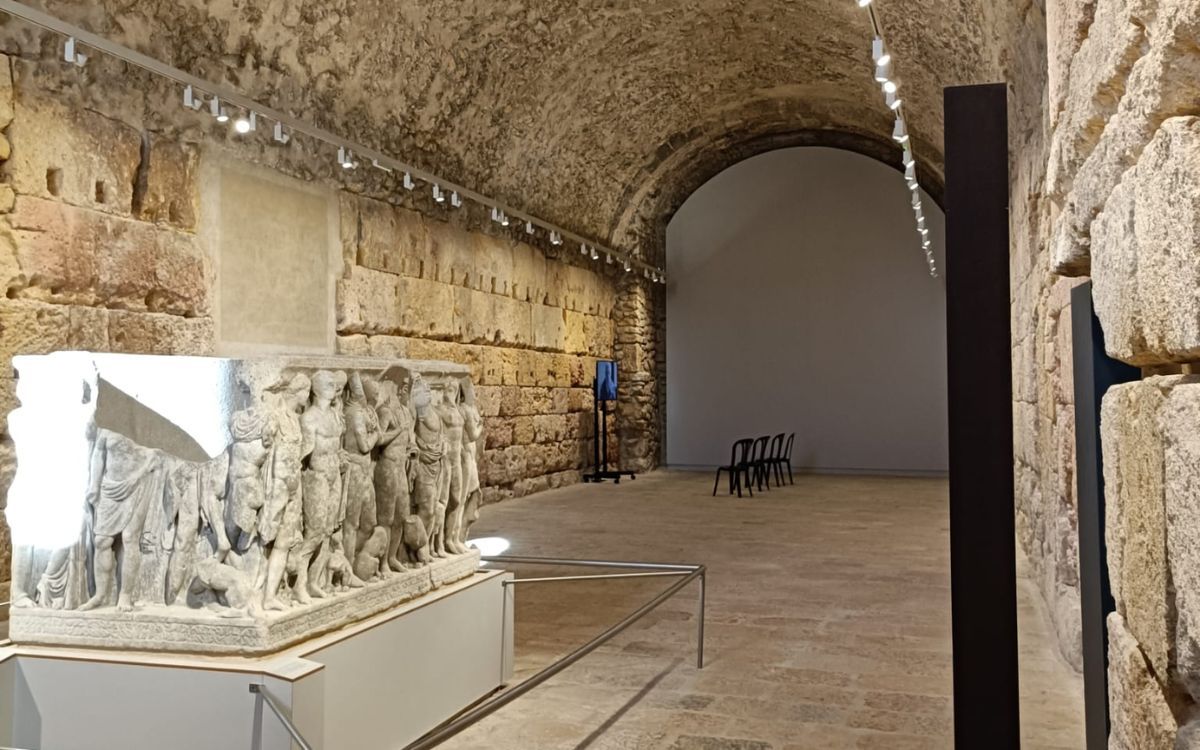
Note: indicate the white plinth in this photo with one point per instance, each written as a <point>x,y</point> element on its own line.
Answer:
<point>376,685</point>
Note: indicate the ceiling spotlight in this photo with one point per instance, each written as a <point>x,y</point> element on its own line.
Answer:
<point>628,267</point>
<point>879,52</point>
<point>503,219</point>
<point>528,227</point>
<point>645,273</point>
<point>72,54</point>
<point>583,249</point>
<point>190,100</point>
<point>920,222</point>
<point>246,124</point>
<point>890,87</point>
<point>916,201</point>
<point>893,102</point>
<point>910,171</point>
<point>280,136</point>
<point>438,195</point>
<point>455,200</point>
<point>883,72</point>
<point>346,158</point>
<point>595,255</point>
<point>863,3</point>
<point>555,238</point>
<point>900,132</point>
<point>908,157</point>
<point>408,182</point>
<point>912,185</point>
<point>608,258</point>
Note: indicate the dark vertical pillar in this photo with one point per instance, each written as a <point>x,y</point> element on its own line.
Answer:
<point>979,354</point>
<point>1095,372</point>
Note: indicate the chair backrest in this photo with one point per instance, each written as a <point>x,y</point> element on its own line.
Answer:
<point>741,452</point>
<point>776,447</point>
<point>787,451</point>
<point>760,449</point>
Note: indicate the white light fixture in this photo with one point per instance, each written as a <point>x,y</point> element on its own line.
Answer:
<point>628,267</point>
<point>499,217</point>
<point>375,163</point>
<point>916,201</point>
<point>280,135</point>
<point>72,54</point>
<point>346,158</point>
<point>894,102</point>
<point>246,124</point>
<point>910,172</point>
<point>438,195</point>
<point>455,200</point>
<point>528,227</point>
<point>879,52</point>
<point>595,255</point>
<point>900,132</point>
<point>608,258</point>
<point>890,86</point>
<point>408,182</point>
<point>583,249</point>
<point>908,157</point>
<point>883,73</point>
<point>489,546</point>
<point>863,3</point>
<point>555,238</point>
<point>920,222</point>
<point>190,100</point>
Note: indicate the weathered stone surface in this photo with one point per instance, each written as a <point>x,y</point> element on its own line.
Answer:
<point>31,328</point>
<point>1138,710</point>
<point>1067,25</point>
<point>1146,250</point>
<point>1179,419</point>
<point>1136,531</point>
<point>1158,88</point>
<point>1115,41</point>
<point>73,155</point>
<point>79,256</point>
<point>166,191</point>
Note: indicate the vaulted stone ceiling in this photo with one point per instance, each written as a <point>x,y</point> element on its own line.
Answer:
<point>597,115</point>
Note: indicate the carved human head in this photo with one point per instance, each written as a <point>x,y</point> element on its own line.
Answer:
<point>453,390</point>
<point>326,385</point>
<point>421,395</point>
<point>298,389</point>
<point>357,391</point>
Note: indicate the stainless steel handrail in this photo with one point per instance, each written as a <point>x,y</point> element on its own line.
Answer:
<point>261,695</point>
<point>688,573</point>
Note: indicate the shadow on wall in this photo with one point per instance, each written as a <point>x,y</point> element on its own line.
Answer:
<point>800,300</point>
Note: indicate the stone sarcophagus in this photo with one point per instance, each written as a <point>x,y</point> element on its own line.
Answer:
<point>215,505</point>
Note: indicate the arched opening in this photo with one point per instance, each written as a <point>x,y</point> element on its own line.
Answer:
<point>799,300</point>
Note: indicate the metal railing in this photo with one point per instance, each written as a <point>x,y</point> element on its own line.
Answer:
<point>685,573</point>
<point>262,696</point>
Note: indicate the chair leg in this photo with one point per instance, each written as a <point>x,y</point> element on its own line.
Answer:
<point>717,482</point>
<point>790,477</point>
<point>735,480</point>
<point>749,482</point>
<point>777,470</point>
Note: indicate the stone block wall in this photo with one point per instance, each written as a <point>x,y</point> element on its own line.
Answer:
<point>100,249</point>
<point>1121,205</point>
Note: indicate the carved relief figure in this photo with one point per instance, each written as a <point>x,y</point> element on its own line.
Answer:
<point>279,525</point>
<point>324,496</point>
<point>452,421</point>
<point>472,433</point>
<point>431,473</point>
<point>253,437</point>
<point>361,437</point>
<point>398,450</point>
<point>196,496</point>
<point>126,479</point>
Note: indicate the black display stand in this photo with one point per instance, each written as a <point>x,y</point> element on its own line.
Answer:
<point>983,570</point>
<point>600,471</point>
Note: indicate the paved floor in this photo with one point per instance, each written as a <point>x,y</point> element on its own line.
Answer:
<point>828,622</point>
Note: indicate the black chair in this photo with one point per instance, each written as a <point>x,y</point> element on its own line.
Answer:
<point>758,461</point>
<point>739,465</point>
<point>785,459</point>
<point>774,458</point>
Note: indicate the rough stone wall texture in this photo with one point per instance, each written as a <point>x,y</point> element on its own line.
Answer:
<point>1121,206</point>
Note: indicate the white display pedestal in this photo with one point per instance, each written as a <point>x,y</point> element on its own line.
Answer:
<point>376,685</point>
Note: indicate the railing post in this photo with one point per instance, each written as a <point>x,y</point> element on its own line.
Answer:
<point>700,627</point>
<point>257,728</point>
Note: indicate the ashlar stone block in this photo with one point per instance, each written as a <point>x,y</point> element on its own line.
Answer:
<point>1146,252</point>
<point>1141,718</point>
<point>1136,526</point>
